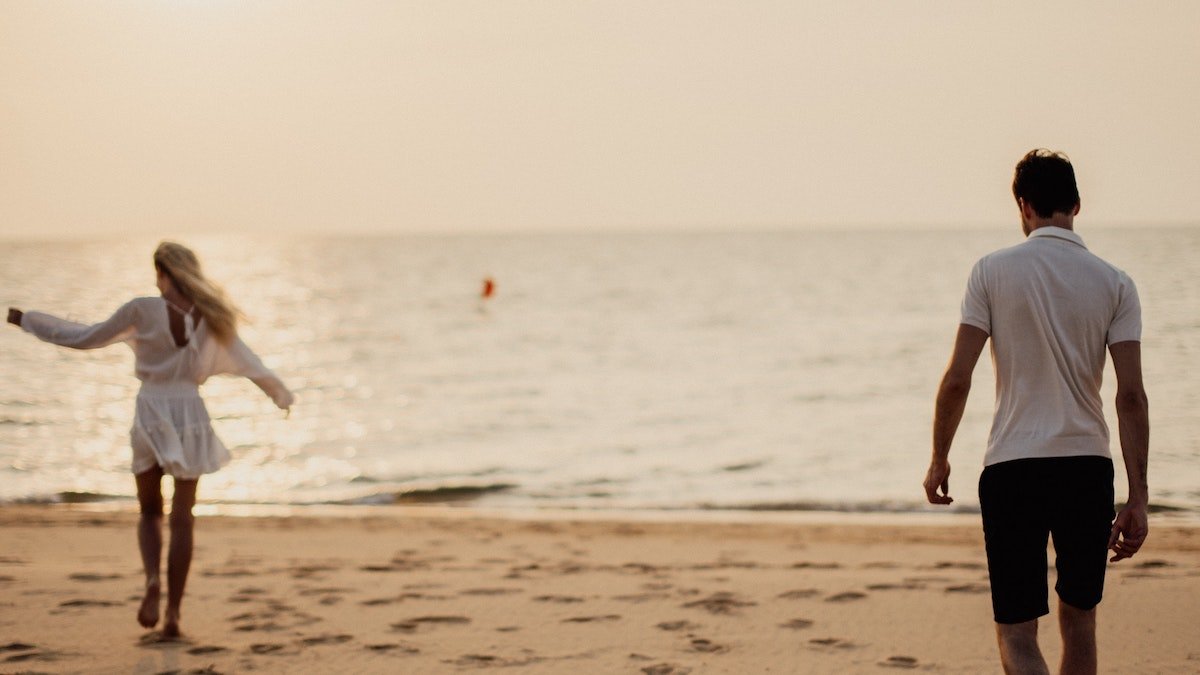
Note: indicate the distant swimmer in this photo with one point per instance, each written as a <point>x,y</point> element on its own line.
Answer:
<point>489,288</point>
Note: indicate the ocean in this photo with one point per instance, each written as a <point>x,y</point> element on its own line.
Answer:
<point>732,371</point>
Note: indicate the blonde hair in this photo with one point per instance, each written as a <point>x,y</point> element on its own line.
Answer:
<point>182,267</point>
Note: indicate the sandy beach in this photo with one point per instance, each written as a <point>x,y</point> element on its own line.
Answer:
<point>448,590</point>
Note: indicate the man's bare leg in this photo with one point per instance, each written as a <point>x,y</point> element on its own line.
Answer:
<point>1019,651</point>
<point>150,503</point>
<point>1078,628</point>
<point>179,557</point>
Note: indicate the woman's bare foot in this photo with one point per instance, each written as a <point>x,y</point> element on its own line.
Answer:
<point>171,623</point>
<point>148,612</point>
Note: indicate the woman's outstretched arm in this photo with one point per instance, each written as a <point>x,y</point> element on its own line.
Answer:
<point>237,358</point>
<point>117,328</point>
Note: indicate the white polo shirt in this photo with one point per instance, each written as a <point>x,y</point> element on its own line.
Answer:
<point>1051,308</point>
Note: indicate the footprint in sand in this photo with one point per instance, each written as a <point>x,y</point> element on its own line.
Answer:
<point>267,648</point>
<point>593,619</point>
<point>325,640</point>
<point>706,647</point>
<point>156,639</point>
<point>411,625</point>
<point>378,568</point>
<point>477,660</point>
<point>906,662</point>
<point>31,652</point>
<point>1144,570</point>
<point>35,656</point>
<point>277,616</point>
<point>327,596</point>
<point>89,603</point>
<point>393,648</point>
<point>206,649</point>
<point>666,669</point>
<point>907,586</point>
<point>969,588</point>
<point>948,565</point>
<point>228,572</point>
<point>491,591</point>
<point>560,599</point>
<point>846,597</point>
<point>333,590</point>
<point>16,647</point>
<point>799,594</point>
<point>312,570</point>
<point>641,597</point>
<point>376,602</point>
<point>677,625</point>
<point>490,660</point>
<point>796,624</point>
<point>927,579</point>
<point>720,603</point>
<point>832,643</point>
<point>83,576</point>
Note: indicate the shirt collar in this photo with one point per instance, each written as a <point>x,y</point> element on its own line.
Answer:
<point>1058,233</point>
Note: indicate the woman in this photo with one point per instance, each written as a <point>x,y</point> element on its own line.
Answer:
<point>178,340</point>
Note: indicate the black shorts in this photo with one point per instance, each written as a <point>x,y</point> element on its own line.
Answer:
<point>1023,501</point>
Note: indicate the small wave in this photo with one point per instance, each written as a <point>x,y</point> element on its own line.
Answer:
<point>1159,507</point>
<point>434,477</point>
<point>839,507</point>
<point>435,495</point>
<point>5,421</point>
<point>743,466</point>
<point>71,497</point>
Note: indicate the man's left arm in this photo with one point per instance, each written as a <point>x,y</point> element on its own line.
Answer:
<point>951,402</point>
<point>1132,524</point>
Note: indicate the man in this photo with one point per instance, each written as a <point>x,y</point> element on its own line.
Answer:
<point>1050,308</point>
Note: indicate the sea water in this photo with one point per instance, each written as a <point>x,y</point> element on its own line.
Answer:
<point>736,370</point>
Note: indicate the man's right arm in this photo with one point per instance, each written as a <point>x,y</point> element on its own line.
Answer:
<point>948,410</point>
<point>1131,526</point>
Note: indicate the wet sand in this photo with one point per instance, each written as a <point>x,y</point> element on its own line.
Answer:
<point>448,590</point>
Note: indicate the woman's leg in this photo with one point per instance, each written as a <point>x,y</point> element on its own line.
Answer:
<point>179,556</point>
<point>150,502</point>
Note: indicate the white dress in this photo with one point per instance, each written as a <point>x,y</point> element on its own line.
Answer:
<point>171,426</point>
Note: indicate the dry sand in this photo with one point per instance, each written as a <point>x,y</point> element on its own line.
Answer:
<point>434,591</point>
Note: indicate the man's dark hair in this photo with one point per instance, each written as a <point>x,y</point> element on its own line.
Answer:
<point>1046,181</point>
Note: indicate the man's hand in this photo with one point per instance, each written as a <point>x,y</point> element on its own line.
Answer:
<point>948,410</point>
<point>14,316</point>
<point>938,476</point>
<point>1129,531</point>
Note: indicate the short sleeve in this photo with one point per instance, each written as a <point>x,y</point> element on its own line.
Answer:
<point>976,310</point>
<point>1126,325</point>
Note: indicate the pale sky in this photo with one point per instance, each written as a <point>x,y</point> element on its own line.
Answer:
<point>347,115</point>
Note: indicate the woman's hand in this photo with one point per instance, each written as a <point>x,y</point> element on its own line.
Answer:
<point>14,316</point>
